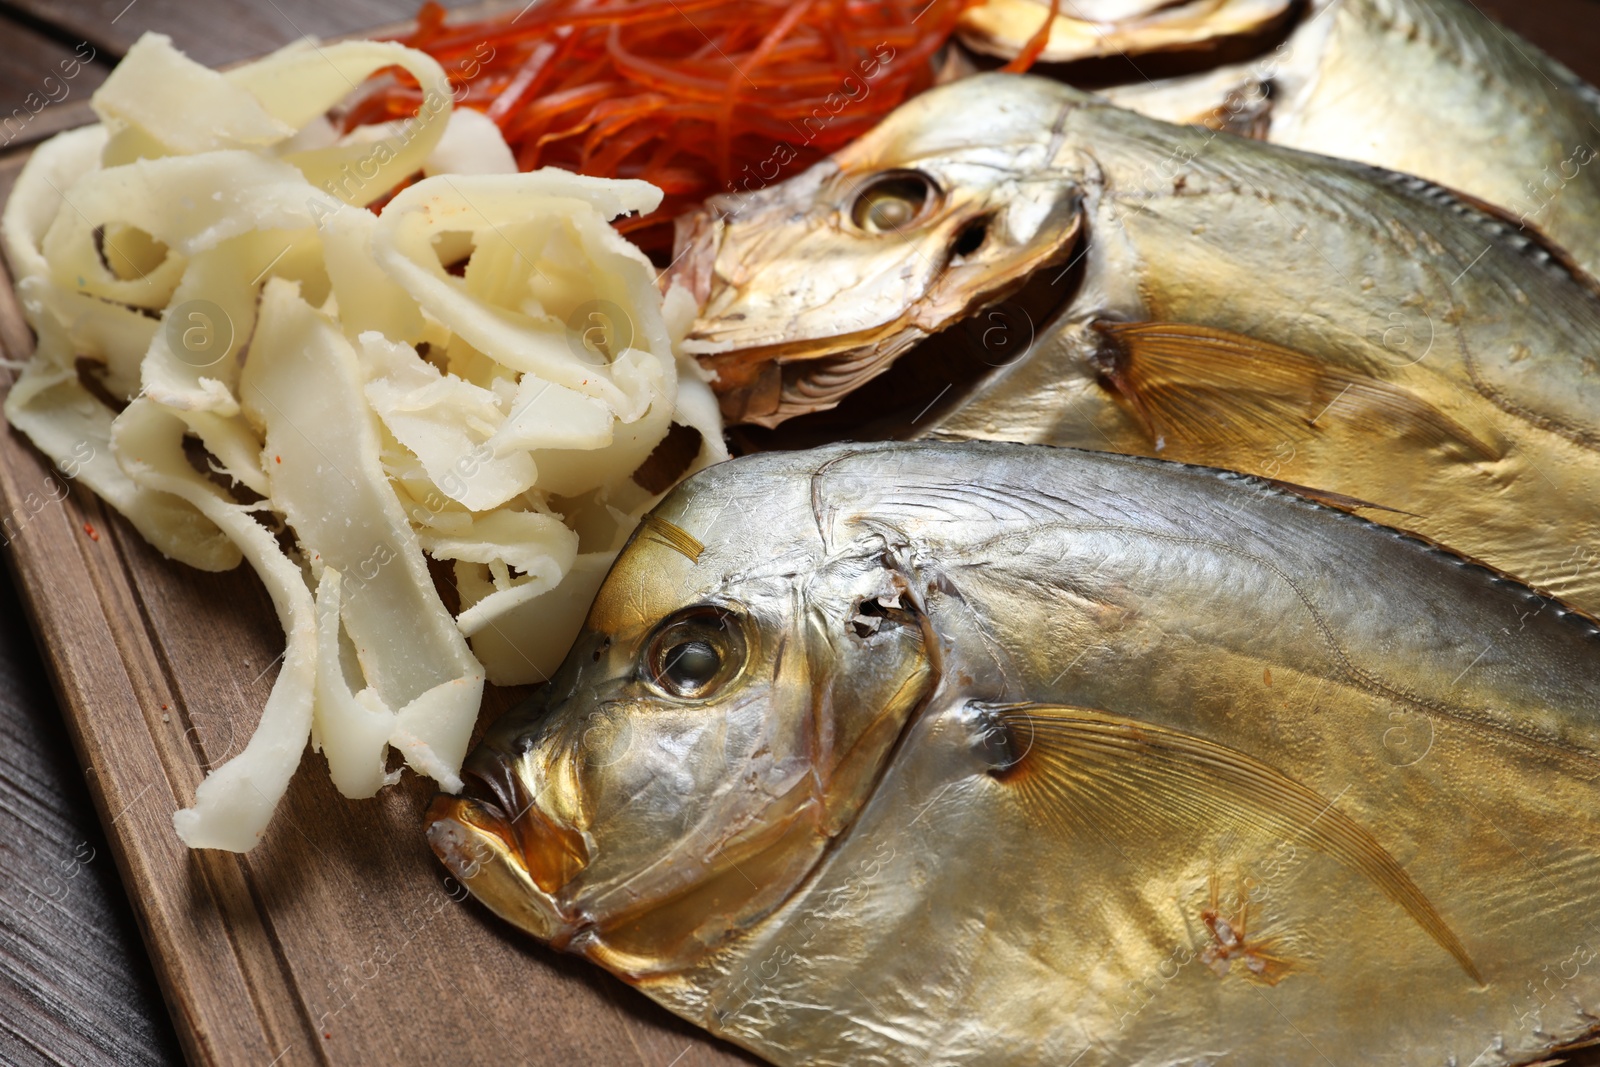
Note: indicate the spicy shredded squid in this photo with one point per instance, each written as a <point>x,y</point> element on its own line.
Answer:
<point>694,96</point>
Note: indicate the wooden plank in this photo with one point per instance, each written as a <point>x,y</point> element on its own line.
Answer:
<point>45,83</point>
<point>190,908</point>
<point>337,939</point>
<point>74,977</point>
<point>30,57</point>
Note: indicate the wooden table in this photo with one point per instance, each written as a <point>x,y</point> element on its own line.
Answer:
<point>76,986</point>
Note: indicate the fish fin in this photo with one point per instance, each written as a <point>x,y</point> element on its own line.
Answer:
<point>1527,239</point>
<point>1088,765</point>
<point>675,537</point>
<point>696,236</point>
<point>1331,499</point>
<point>1207,386</point>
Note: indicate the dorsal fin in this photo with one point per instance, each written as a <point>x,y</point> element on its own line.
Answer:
<point>1498,223</point>
<point>1328,498</point>
<point>1493,576</point>
<point>1094,769</point>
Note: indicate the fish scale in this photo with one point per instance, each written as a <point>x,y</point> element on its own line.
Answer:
<point>1146,803</point>
<point>1207,299</point>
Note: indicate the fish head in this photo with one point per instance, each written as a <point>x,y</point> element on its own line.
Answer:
<point>720,719</point>
<point>814,285</point>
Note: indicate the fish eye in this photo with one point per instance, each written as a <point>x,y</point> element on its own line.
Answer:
<point>694,653</point>
<point>893,200</point>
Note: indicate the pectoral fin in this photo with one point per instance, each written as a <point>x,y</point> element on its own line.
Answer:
<point>1207,386</point>
<point>1083,768</point>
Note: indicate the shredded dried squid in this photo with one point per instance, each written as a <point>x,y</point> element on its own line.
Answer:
<point>472,375</point>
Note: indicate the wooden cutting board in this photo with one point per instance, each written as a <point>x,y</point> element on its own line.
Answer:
<point>339,939</point>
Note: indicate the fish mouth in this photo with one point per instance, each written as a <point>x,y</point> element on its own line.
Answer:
<point>476,845</point>
<point>496,842</point>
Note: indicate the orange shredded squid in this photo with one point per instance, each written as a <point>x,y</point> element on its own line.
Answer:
<point>696,96</point>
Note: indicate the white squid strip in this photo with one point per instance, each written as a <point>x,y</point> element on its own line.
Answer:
<point>67,423</point>
<point>353,729</point>
<point>299,85</point>
<point>109,333</point>
<point>486,205</point>
<point>182,105</point>
<point>369,300</point>
<point>302,385</point>
<point>39,194</point>
<point>234,804</point>
<point>445,421</point>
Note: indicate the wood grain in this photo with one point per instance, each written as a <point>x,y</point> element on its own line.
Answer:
<point>338,940</point>
<point>74,979</point>
<point>45,82</point>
